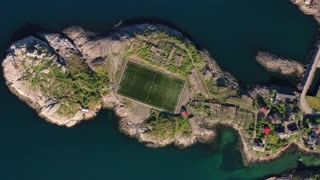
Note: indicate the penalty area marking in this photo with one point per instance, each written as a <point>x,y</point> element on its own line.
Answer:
<point>151,86</point>
<point>132,82</point>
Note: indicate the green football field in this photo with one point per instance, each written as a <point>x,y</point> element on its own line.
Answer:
<point>151,87</point>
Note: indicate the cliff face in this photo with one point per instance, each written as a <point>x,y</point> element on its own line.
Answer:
<point>281,65</point>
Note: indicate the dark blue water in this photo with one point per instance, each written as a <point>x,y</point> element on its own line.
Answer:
<point>231,30</point>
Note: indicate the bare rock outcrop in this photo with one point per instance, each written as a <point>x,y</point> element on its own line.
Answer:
<point>17,67</point>
<point>279,64</point>
<point>309,7</point>
<point>46,58</point>
<point>217,73</point>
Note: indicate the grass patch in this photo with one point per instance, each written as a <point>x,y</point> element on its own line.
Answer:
<point>165,40</point>
<point>150,87</point>
<point>163,126</point>
<point>314,102</point>
<point>73,86</point>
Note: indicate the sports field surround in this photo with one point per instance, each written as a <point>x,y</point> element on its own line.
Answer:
<point>151,87</point>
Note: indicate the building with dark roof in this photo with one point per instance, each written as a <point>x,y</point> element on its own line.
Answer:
<point>293,128</point>
<point>285,98</point>
<point>275,118</point>
<point>258,145</point>
<point>314,138</point>
<point>279,129</point>
<point>313,124</point>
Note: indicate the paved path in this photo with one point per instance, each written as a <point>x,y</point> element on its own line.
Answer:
<point>316,64</point>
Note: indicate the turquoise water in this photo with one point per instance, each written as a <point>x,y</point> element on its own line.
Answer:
<point>231,30</point>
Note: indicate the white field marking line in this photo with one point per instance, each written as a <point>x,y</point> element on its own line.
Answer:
<point>132,82</point>
<point>173,76</point>
<point>123,79</point>
<point>127,67</point>
<point>141,102</point>
<point>170,93</point>
<point>151,86</point>
<point>168,96</point>
<point>118,83</point>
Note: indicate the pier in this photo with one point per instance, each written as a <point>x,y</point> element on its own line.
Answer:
<point>307,80</point>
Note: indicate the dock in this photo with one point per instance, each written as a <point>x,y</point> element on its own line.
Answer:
<point>307,80</point>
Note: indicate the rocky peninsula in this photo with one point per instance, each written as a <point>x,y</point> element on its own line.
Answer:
<point>280,64</point>
<point>68,77</point>
<point>309,7</point>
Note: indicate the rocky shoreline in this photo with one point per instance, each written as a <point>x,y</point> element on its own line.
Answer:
<point>93,50</point>
<point>89,46</point>
<point>309,7</point>
<point>302,172</point>
<point>279,64</point>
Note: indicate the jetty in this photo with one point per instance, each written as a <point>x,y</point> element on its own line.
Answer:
<point>308,78</point>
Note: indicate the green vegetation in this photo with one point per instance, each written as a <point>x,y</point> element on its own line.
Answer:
<point>220,93</point>
<point>307,120</point>
<point>162,48</point>
<point>150,87</point>
<point>163,126</point>
<point>217,112</point>
<point>73,86</point>
<point>244,102</point>
<point>162,42</point>
<point>261,123</point>
<point>273,142</point>
<point>281,108</point>
<point>314,102</point>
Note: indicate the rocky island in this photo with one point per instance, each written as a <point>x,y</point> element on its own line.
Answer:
<point>162,88</point>
<point>279,64</point>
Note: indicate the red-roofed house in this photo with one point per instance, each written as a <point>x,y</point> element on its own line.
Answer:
<point>266,130</point>
<point>184,114</point>
<point>265,110</point>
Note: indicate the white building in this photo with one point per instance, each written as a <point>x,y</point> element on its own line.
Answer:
<point>34,53</point>
<point>308,2</point>
<point>84,109</point>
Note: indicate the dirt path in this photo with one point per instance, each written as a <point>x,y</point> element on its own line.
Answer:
<point>255,125</point>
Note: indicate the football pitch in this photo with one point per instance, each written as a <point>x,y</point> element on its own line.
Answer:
<point>150,87</point>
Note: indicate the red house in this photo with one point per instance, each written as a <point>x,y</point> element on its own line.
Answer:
<point>266,130</point>
<point>184,114</point>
